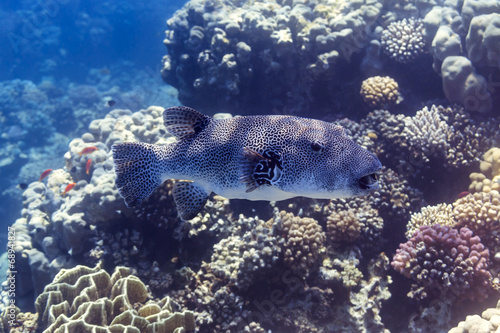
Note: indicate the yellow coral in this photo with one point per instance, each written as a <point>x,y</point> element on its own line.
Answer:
<point>429,215</point>
<point>380,91</point>
<point>87,299</point>
<point>480,212</point>
<point>488,179</point>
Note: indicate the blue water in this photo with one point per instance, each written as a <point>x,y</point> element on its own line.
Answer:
<point>57,61</point>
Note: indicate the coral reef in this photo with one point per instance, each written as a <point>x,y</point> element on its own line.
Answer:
<point>228,48</point>
<point>441,214</point>
<point>302,242</point>
<point>380,92</point>
<point>445,263</point>
<point>351,223</point>
<point>404,40</point>
<point>88,299</point>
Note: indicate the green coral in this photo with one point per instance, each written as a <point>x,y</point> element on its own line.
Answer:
<point>84,299</point>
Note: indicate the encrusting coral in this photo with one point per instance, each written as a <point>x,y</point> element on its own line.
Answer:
<point>87,299</point>
<point>445,262</point>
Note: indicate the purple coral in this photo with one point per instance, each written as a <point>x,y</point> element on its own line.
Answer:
<point>444,261</point>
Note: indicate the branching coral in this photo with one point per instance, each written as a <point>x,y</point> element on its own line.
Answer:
<point>444,262</point>
<point>404,40</point>
<point>440,214</point>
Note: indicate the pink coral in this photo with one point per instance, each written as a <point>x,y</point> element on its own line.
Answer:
<point>444,262</point>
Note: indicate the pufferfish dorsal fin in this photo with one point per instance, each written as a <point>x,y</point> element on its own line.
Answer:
<point>260,169</point>
<point>190,198</point>
<point>184,122</point>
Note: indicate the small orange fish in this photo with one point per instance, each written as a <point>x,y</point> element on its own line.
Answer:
<point>44,174</point>
<point>89,164</point>
<point>463,194</point>
<point>68,188</point>
<point>88,150</point>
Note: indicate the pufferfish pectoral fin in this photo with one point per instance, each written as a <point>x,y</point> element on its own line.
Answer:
<point>184,122</point>
<point>260,169</point>
<point>190,198</point>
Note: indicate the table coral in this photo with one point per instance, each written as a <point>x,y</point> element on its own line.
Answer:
<point>404,40</point>
<point>380,91</point>
<point>444,262</point>
<point>89,299</point>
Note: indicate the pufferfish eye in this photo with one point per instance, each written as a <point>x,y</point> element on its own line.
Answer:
<point>317,147</point>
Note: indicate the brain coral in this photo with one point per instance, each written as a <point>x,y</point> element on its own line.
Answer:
<point>444,262</point>
<point>83,299</point>
<point>404,40</point>
<point>380,91</point>
<point>426,131</point>
<point>302,241</point>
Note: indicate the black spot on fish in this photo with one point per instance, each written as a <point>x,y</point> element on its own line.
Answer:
<point>111,103</point>
<point>23,186</point>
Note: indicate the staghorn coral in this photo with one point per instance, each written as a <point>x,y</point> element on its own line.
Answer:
<point>404,41</point>
<point>480,212</point>
<point>88,299</point>
<point>444,262</point>
<point>302,241</point>
<point>441,214</point>
<point>380,91</point>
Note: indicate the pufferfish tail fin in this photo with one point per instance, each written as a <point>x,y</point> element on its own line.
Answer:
<point>184,122</point>
<point>137,168</point>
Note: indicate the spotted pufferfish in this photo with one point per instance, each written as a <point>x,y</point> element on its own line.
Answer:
<point>269,158</point>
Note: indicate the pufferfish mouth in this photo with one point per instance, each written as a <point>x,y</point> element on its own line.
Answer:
<point>369,182</point>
